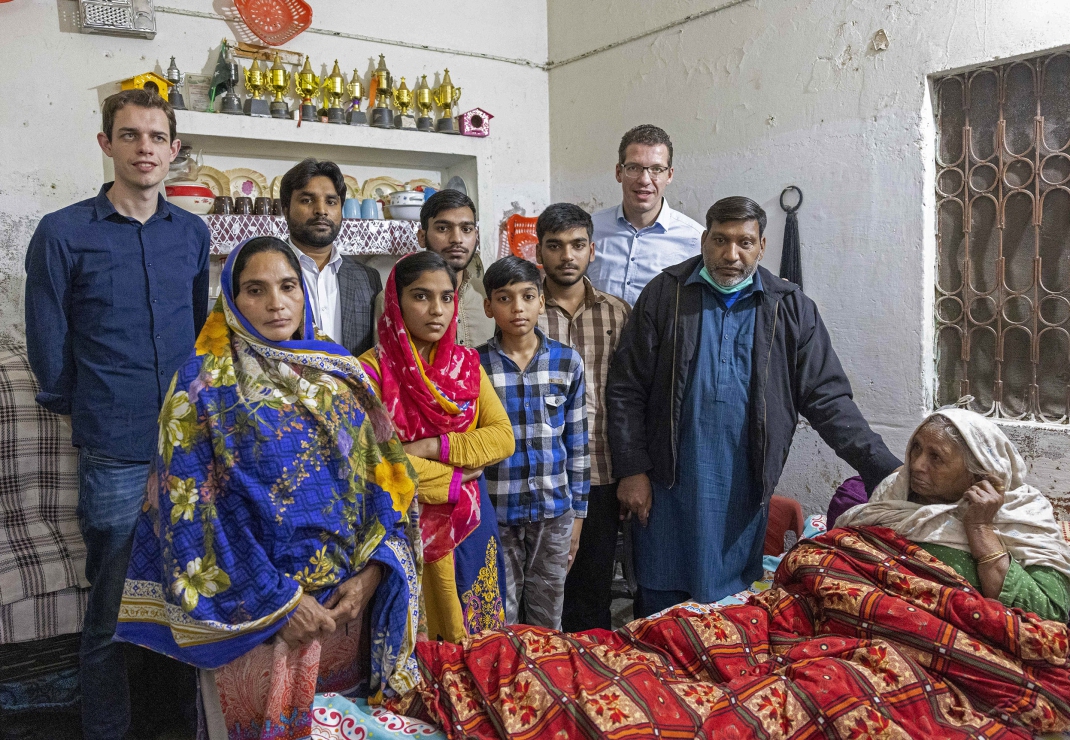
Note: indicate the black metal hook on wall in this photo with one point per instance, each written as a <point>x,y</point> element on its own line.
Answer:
<point>797,206</point>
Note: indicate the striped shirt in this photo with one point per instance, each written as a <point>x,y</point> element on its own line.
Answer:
<point>549,472</point>
<point>593,331</point>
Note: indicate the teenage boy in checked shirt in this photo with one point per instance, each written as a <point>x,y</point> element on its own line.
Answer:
<point>540,492</point>
<point>590,321</point>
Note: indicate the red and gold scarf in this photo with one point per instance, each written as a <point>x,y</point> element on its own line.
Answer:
<point>427,400</point>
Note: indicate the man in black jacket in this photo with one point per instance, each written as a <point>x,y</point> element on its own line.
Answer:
<point>704,394</point>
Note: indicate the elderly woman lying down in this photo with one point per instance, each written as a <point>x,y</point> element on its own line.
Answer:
<point>962,497</point>
<point>864,633</point>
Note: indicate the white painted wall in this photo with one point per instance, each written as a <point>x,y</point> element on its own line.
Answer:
<point>55,78</point>
<point>769,93</point>
<point>758,96</point>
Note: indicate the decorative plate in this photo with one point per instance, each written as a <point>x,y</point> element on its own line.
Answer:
<point>457,183</point>
<point>422,182</point>
<point>352,187</point>
<point>380,188</point>
<point>216,180</point>
<point>249,183</point>
<point>276,187</point>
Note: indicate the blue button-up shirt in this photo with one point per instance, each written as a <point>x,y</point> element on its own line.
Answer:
<point>113,308</point>
<point>550,470</point>
<point>628,258</point>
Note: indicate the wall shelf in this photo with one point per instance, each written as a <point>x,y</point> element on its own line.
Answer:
<point>245,135</point>
<point>282,140</point>
<point>393,238</point>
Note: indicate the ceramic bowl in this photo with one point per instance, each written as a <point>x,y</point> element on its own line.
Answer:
<point>406,212</point>
<point>407,198</point>
<point>191,196</point>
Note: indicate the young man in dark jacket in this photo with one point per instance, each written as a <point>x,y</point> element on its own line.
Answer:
<point>704,394</point>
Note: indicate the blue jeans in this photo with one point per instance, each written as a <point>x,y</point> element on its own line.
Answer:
<point>110,494</point>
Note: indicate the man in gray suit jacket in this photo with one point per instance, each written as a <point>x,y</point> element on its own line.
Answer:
<point>341,289</point>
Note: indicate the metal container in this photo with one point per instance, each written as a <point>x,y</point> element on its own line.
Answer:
<point>118,17</point>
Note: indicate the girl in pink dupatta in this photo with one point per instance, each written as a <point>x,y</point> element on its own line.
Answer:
<point>453,424</point>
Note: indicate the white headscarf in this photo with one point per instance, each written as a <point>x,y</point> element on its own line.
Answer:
<point>1025,523</point>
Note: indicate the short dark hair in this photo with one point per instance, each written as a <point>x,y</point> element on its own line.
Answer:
<point>299,175</point>
<point>647,134</point>
<point>736,208</point>
<point>257,246</point>
<point>142,99</point>
<point>444,200</point>
<point>562,217</point>
<point>509,270</point>
<point>411,267</point>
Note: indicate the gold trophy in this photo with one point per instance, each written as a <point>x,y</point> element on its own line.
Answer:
<point>256,82</point>
<point>446,96</point>
<point>356,116</point>
<point>382,115</point>
<point>334,87</point>
<point>307,85</point>
<point>403,100</point>
<point>278,81</point>
<point>424,105</point>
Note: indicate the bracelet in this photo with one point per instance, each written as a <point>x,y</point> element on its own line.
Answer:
<point>991,557</point>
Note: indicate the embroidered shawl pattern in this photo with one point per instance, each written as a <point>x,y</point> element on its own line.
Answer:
<point>277,474</point>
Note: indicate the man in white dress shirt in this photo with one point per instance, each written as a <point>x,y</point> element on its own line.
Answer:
<point>643,235</point>
<point>341,289</point>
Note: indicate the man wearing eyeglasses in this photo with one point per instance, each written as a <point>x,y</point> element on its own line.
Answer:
<point>643,235</point>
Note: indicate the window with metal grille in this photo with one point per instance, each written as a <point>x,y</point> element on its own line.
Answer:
<point>1003,239</point>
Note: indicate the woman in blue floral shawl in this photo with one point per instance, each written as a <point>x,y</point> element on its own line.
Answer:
<point>281,505</point>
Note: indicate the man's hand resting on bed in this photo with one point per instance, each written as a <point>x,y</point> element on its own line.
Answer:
<point>310,621</point>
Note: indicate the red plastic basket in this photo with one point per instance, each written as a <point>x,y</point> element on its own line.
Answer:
<point>275,21</point>
<point>518,237</point>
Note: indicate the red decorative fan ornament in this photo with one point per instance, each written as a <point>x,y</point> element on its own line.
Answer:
<point>275,21</point>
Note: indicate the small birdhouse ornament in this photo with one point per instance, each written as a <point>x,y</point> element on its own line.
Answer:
<point>475,122</point>
<point>149,81</point>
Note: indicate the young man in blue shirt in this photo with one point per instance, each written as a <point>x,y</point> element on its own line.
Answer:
<point>540,492</point>
<point>116,292</point>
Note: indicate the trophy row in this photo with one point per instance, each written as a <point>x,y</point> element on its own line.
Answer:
<point>391,106</point>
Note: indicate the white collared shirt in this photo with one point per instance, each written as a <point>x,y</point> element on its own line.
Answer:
<point>626,259</point>
<point>323,293</point>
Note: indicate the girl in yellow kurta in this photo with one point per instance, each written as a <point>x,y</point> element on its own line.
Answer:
<point>453,424</point>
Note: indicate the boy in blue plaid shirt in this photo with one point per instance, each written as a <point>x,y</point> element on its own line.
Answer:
<point>540,493</point>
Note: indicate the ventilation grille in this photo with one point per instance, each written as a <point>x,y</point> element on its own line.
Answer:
<point>119,17</point>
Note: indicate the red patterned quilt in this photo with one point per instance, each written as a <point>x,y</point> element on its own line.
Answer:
<point>864,635</point>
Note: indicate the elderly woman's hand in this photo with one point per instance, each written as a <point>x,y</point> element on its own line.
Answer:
<point>354,593</point>
<point>983,501</point>
<point>309,621</point>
